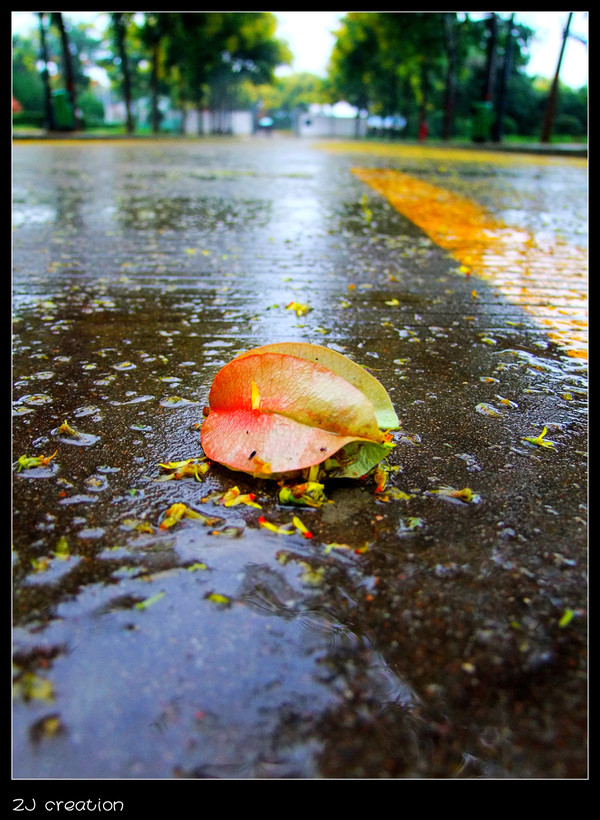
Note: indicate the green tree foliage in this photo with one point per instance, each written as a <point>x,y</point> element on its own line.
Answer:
<point>205,57</point>
<point>63,70</point>
<point>432,67</point>
<point>249,54</point>
<point>400,62</point>
<point>429,67</point>
<point>28,87</point>
<point>196,59</point>
<point>356,65</point>
<point>118,28</point>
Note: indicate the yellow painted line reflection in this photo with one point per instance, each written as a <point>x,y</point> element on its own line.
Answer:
<point>546,277</point>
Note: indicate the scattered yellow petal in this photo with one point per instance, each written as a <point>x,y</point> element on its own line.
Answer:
<point>27,462</point>
<point>540,441</point>
<point>335,546</point>
<point>33,687</point>
<point>149,601</point>
<point>380,478</point>
<point>465,495</point>
<point>174,514</point>
<point>68,430</point>
<point>267,525</point>
<point>566,618</point>
<point>233,497</point>
<point>62,548</point>
<point>178,511</point>
<point>311,576</point>
<point>218,598</point>
<point>306,494</point>
<point>301,527</point>
<point>299,308</point>
<point>40,564</point>
<point>395,493</point>
<point>191,467</point>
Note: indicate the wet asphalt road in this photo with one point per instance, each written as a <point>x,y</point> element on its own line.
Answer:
<point>446,639</point>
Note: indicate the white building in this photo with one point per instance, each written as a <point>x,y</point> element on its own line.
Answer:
<point>238,123</point>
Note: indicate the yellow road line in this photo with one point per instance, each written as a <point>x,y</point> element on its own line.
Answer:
<point>446,154</point>
<point>526,269</point>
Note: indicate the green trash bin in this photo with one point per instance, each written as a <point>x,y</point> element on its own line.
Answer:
<point>483,119</point>
<point>64,119</point>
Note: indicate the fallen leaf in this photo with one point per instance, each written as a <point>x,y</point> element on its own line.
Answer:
<point>284,408</point>
<point>347,369</point>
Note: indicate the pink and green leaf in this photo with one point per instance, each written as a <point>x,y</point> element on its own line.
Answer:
<point>285,408</point>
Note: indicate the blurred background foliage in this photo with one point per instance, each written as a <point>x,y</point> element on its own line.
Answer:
<point>414,74</point>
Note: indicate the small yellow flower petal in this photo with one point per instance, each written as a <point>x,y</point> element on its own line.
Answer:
<point>540,441</point>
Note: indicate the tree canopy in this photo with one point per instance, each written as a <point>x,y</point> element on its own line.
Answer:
<point>429,70</point>
<point>434,68</point>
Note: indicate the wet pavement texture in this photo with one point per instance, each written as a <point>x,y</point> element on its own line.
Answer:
<point>425,633</point>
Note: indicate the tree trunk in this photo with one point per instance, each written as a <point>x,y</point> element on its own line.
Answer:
<point>423,103</point>
<point>490,69</point>
<point>45,76</point>
<point>550,112</point>
<point>498,129</point>
<point>58,21</point>
<point>200,110</point>
<point>154,111</point>
<point>119,26</point>
<point>450,92</point>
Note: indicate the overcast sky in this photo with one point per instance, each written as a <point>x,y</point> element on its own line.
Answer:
<point>310,36</point>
